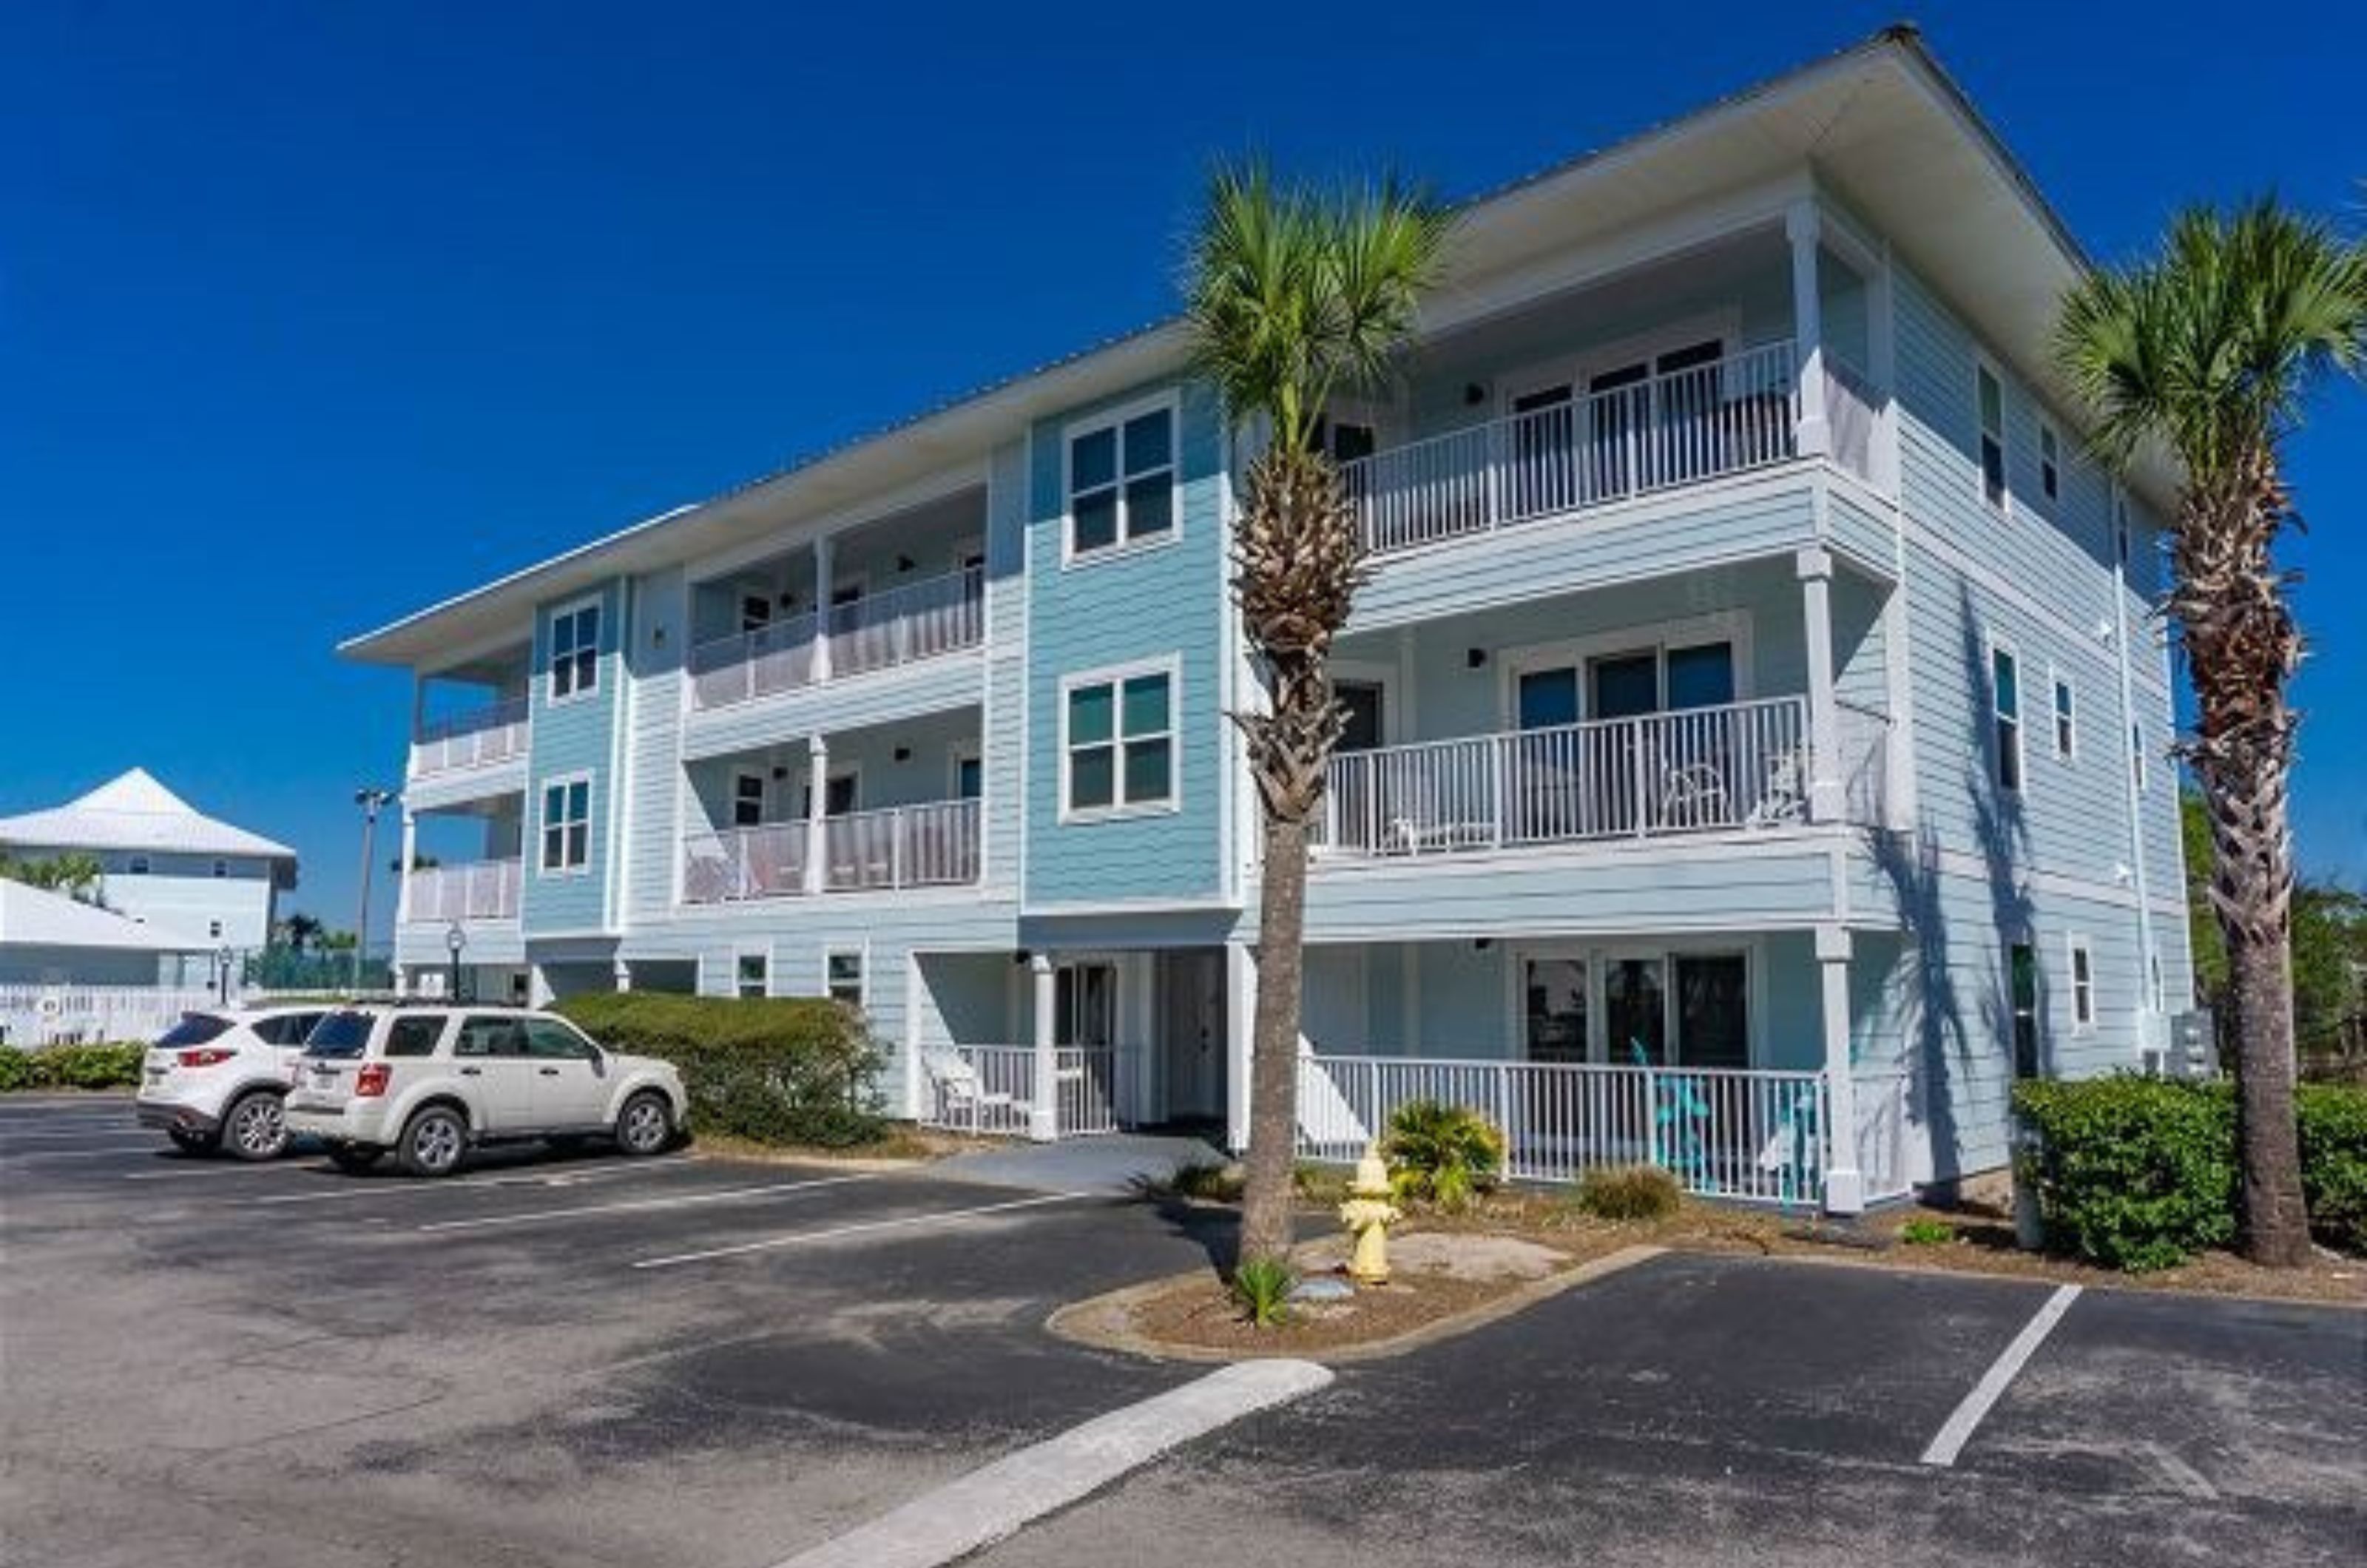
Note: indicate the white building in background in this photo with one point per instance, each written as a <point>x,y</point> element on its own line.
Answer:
<point>193,878</point>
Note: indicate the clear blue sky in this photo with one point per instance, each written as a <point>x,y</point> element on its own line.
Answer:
<point>313,314</point>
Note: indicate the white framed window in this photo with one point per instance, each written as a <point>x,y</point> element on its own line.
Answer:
<point>747,798</point>
<point>2153,981</point>
<point>222,868</point>
<point>567,825</point>
<point>2066,720</point>
<point>842,976</point>
<point>1117,741</point>
<point>968,771</point>
<point>137,866</point>
<point>2050,462</point>
<point>1989,398</point>
<point>575,651</point>
<point>1119,474</point>
<point>2083,987</point>
<point>213,929</point>
<point>751,974</point>
<point>2136,756</point>
<point>2005,712</point>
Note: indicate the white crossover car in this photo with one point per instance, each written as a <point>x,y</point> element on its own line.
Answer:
<point>428,1083</point>
<point>217,1079</point>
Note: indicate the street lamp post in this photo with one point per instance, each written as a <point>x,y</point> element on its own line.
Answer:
<point>223,958</point>
<point>454,939</point>
<point>370,798</point>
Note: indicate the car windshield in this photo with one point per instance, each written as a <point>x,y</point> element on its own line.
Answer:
<point>194,1028</point>
<point>339,1034</point>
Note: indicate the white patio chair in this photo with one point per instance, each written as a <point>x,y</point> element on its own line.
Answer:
<point>1785,797</point>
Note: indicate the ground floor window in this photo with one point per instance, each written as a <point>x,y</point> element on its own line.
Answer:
<point>842,976</point>
<point>752,975</point>
<point>2021,966</point>
<point>1655,1009</point>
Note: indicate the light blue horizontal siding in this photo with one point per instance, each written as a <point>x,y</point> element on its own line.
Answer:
<point>1156,602</point>
<point>654,711</point>
<point>577,735</point>
<point>1859,529</point>
<point>1690,530</point>
<point>1003,723</point>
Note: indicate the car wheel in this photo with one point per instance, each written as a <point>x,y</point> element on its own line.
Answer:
<point>433,1141</point>
<point>646,1124</point>
<point>353,1157</point>
<point>255,1128</point>
<point>190,1143</point>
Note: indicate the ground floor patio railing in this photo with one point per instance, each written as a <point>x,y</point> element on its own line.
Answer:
<point>1753,1135</point>
<point>992,1090</point>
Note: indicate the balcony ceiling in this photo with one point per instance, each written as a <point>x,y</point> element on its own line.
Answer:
<point>1883,126</point>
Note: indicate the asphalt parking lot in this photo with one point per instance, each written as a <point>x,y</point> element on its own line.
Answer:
<point>698,1361</point>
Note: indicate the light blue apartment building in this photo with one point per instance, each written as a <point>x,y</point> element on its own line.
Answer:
<point>1758,738</point>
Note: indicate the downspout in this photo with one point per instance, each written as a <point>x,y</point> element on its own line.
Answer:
<point>2148,959</point>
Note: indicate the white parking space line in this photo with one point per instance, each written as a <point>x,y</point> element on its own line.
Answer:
<point>634,1206</point>
<point>545,1177</point>
<point>997,1501</point>
<point>1958,1430</point>
<point>907,1221</point>
<point>197,1164</point>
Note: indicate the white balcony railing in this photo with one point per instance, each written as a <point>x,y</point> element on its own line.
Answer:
<point>476,890</point>
<point>901,625</point>
<point>1742,765</point>
<point>931,845</point>
<point>1678,428</point>
<point>764,861</point>
<point>991,1090</point>
<point>934,845</point>
<point>490,734</point>
<point>1748,1134</point>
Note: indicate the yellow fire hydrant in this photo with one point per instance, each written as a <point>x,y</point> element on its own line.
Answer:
<point>1368,1215</point>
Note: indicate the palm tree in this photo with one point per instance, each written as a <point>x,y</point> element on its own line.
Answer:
<point>1295,293</point>
<point>300,928</point>
<point>2211,348</point>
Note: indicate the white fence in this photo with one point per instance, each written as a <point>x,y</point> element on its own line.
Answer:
<point>490,734</point>
<point>52,1015</point>
<point>475,890</point>
<point>1753,1135</point>
<point>920,620</point>
<point>991,1090</point>
<point>1675,428</point>
<point>1741,765</point>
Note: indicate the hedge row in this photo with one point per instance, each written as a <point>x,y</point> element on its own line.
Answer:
<point>70,1067</point>
<point>785,1070</point>
<point>2139,1173</point>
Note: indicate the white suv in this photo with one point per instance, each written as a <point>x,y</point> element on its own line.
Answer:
<point>217,1079</point>
<point>429,1083</point>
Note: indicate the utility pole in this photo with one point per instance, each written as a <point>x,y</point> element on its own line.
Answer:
<point>370,798</point>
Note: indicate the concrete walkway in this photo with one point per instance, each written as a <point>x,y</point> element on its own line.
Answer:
<point>1116,1162</point>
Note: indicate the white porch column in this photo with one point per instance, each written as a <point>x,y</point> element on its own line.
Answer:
<point>1815,569</point>
<point>410,854</point>
<point>1844,1183</point>
<point>622,973</point>
<point>1044,1104</point>
<point>825,549</point>
<point>817,807</point>
<point>1241,1026</point>
<point>1803,227</point>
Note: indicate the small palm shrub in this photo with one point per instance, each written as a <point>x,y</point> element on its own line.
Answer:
<point>1263,1287</point>
<point>1442,1155</point>
<point>1628,1192</point>
<point>1924,1231</point>
<point>1209,1182</point>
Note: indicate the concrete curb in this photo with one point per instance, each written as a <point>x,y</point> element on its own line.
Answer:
<point>994,1503</point>
<point>1101,1321</point>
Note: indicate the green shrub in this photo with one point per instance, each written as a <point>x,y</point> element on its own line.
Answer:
<point>772,1070</point>
<point>1263,1287</point>
<point>2130,1173</point>
<point>1922,1230</point>
<point>1208,1181</point>
<point>1446,1155</point>
<point>113,1065</point>
<point>2334,1162</point>
<point>1628,1192</point>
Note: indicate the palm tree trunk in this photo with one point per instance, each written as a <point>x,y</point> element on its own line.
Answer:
<point>2242,648</point>
<point>1268,1187</point>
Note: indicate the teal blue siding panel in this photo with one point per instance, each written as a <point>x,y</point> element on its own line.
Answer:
<point>1163,600</point>
<point>577,736</point>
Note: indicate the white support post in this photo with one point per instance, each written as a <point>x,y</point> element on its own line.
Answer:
<point>1044,1104</point>
<point>1803,227</point>
<point>1815,569</point>
<point>1240,1023</point>
<point>817,806</point>
<point>1844,1182</point>
<point>622,973</point>
<point>410,853</point>
<point>824,549</point>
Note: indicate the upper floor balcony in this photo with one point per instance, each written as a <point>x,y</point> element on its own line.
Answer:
<point>929,844</point>
<point>470,728</point>
<point>475,890</point>
<point>915,621</point>
<point>473,737</point>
